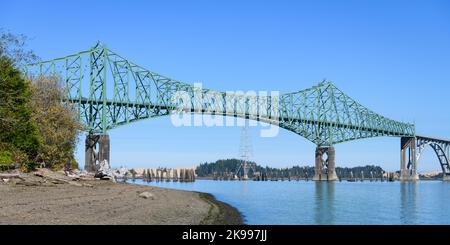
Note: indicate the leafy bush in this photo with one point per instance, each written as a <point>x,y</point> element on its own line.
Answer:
<point>6,158</point>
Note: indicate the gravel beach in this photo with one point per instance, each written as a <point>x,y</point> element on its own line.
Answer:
<point>105,202</point>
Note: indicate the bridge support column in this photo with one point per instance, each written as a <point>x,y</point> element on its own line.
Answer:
<point>103,151</point>
<point>325,169</point>
<point>408,160</point>
<point>90,154</point>
<point>97,149</point>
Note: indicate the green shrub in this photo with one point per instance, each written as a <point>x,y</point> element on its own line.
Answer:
<point>6,158</point>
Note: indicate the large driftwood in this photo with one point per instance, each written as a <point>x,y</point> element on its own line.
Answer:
<point>9,176</point>
<point>44,173</point>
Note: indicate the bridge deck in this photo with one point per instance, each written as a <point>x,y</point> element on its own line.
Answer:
<point>257,117</point>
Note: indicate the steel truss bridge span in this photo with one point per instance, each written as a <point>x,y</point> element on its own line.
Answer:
<point>107,91</point>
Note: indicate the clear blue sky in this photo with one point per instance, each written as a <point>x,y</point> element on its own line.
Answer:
<point>391,56</point>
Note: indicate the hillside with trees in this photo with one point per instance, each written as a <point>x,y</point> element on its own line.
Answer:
<point>230,166</point>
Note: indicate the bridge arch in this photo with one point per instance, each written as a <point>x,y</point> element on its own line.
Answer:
<point>305,133</point>
<point>441,149</point>
<point>412,149</point>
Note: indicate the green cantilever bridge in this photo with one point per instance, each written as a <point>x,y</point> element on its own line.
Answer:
<point>108,91</point>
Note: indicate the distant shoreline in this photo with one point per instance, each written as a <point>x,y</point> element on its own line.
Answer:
<point>303,179</point>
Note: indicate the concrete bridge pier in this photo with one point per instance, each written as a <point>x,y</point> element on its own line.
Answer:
<point>408,160</point>
<point>325,169</point>
<point>97,149</point>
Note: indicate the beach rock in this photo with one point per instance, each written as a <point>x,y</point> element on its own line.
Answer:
<point>105,172</point>
<point>147,195</point>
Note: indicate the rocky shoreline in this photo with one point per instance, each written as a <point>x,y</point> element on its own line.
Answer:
<point>220,213</point>
<point>37,199</point>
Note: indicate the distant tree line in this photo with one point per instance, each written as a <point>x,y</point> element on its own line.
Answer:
<point>218,167</point>
<point>230,166</point>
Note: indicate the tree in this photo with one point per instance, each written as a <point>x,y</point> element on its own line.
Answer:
<point>35,127</point>
<point>56,122</point>
<point>12,46</point>
<point>19,138</point>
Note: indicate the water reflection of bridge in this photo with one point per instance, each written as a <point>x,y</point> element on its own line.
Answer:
<point>408,205</point>
<point>324,208</point>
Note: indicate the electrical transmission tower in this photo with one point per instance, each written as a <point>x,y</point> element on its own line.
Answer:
<point>245,153</point>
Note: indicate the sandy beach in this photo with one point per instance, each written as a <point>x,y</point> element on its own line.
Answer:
<point>105,202</point>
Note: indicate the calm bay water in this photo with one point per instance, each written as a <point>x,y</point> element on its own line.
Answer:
<point>284,202</point>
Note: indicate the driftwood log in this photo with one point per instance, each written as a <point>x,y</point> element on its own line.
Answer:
<point>7,176</point>
<point>47,174</point>
<point>10,176</point>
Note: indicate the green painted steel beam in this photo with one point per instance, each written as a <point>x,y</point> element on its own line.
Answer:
<point>108,91</point>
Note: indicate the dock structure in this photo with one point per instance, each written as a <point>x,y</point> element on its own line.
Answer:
<point>168,174</point>
<point>294,175</point>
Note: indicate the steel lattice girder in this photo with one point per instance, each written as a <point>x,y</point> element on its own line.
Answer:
<point>440,146</point>
<point>109,90</point>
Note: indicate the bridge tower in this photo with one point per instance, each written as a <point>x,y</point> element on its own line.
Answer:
<point>325,169</point>
<point>96,109</point>
<point>97,149</point>
<point>408,159</point>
